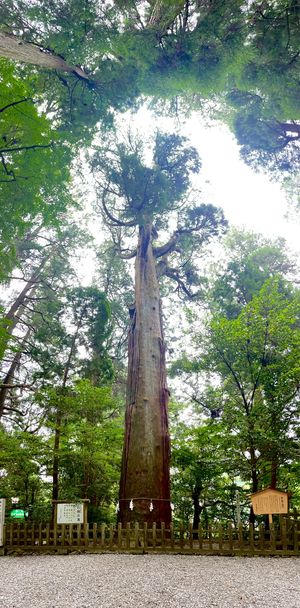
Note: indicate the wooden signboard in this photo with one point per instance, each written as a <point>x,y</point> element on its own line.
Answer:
<point>2,519</point>
<point>70,513</point>
<point>269,502</point>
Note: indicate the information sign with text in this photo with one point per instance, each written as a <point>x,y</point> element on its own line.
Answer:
<point>70,513</point>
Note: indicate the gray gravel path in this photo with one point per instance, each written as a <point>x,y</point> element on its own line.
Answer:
<point>138,581</point>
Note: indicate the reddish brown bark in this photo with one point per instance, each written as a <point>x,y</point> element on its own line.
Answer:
<point>146,454</point>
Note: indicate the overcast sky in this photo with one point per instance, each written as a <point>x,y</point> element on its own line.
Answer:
<point>249,199</point>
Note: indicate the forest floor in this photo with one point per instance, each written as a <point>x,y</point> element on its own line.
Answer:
<point>136,581</point>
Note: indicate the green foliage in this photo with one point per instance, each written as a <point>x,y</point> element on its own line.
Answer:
<point>256,357</point>
<point>34,172</point>
<point>204,480</point>
<point>252,260</point>
<point>91,435</point>
<point>140,192</point>
<point>23,458</point>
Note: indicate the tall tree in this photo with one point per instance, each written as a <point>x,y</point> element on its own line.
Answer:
<point>138,199</point>
<point>43,273</point>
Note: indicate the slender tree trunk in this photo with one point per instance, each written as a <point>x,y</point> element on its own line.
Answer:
<point>59,417</point>
<point>197,509</point>
<point>55,469</point>
<point>146,454</point>
<point>254,478</point>
<point>8,378</point>
<point>26,52</point>
<point>17,308</point>
<point>274,467</point>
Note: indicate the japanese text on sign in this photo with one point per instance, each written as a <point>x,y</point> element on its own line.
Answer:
<point>269,502</point>
<point>70,513</point>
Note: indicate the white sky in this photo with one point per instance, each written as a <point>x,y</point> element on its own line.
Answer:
<point>249,200</point>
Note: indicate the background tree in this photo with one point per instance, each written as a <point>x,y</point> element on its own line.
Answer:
<point>254,358</point>
<point>34,167</point>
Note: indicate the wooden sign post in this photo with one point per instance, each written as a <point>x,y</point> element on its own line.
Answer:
<point>270,502</point>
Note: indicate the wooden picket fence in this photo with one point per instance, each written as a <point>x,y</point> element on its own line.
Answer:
<point>282,539</point>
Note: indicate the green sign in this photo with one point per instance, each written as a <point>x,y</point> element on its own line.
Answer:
<point>18,513</point>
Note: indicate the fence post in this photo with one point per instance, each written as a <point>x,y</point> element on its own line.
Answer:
<point>33,535</point>
<point>145,535</point>
<point>63,535</point>
<point>273,536</point>
<point>220,537</point>
<point>18,534</point>
<point>172,535</point>
<point>70,535</point>
<point>47,535</point>
<point>261,536</point>
<point>154,534</point>
<point>251,538</point>
<point>210,541</point>
<point>283,533</point>
<point>181,539</point>
<point>119,535</point>
<point>230,538</point>
<point>163,544</point>
<point>4,538</point>
<point>136,535</point>
<point>55,534</point>
<point>296,537</point>
<point>11,534</point>
<point>40,541</point>
<point>191,535</point>
<point>128,535</point>
<point>111,536</point>
<point>240,537</point>
<point>200,537</point>
<point>102,535</point>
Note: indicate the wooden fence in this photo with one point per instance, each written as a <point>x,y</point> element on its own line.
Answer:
<point>282,539</point>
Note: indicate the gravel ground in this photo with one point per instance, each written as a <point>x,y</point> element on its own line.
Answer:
<point>138,581</point>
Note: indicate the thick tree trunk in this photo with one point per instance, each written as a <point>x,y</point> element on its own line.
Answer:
<point>146,454</point>
<point>26,52</point>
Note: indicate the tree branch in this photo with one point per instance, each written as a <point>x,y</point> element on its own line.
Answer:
<point>11,386</point>
<point>20,148</point>
<point>15,103</point>
<point>172,273</point>
<point>114,220</point>
<point>167,247</point>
